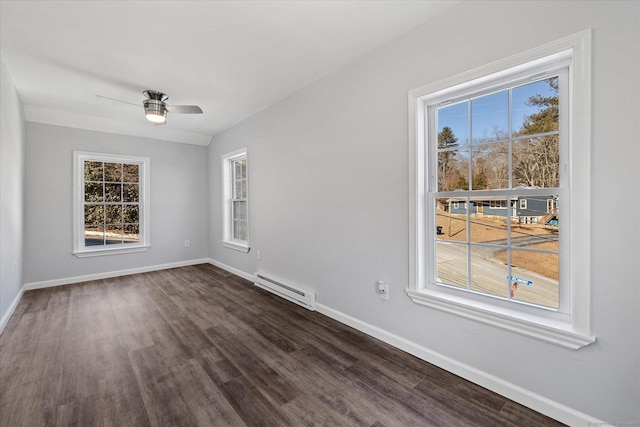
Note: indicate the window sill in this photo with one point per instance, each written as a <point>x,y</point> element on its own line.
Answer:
<point>110,251</point>
<point>555,332</point>
<point>236,246</point>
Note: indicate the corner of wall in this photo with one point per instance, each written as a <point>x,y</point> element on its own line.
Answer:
<point>12,194</point>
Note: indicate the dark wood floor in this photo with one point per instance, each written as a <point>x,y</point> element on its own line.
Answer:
<point>199,346</point>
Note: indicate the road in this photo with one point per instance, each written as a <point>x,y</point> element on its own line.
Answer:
<point>488,275</point>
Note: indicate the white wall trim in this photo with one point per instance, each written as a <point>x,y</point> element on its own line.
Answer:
<point>233,270</point>
<point>109,274</point>
<point>511,391</point>
<point>12,308</point>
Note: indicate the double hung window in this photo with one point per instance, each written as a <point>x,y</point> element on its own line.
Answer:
<point>110,213</point>
<point>235,201</point>
<point>498,156</point>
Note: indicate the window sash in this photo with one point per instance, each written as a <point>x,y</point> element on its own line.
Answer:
<point>432,152</point>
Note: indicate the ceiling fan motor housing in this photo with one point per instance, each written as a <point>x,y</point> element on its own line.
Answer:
<point>154,107</point>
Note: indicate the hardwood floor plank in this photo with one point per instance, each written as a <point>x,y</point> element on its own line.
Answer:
<point>251,405</point>
<point>252,366</point>
<point>305,410</point>
<point>383,407</point>
<point>203,398</point>
<point>199,346</point>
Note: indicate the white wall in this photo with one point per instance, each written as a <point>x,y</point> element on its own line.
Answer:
<point>329,195</point>
<point>179,211</point>
<point>12,185</point>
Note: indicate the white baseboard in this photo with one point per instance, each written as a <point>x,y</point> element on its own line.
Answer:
<point>511,391</point>
<point>109,274</point>
<point>230,269</point>
<point>12,308</point>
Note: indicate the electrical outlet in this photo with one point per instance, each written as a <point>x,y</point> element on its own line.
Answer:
<point>383,289</point>
<point>259,255</point>
<point>385,294</point>
<point>187,243</point>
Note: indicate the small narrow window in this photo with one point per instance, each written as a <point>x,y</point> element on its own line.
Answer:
<point>523,203</point>
<point>110,212</point>
<point>235,200</point>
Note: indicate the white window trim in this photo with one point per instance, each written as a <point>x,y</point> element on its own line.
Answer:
<point>79,249</point>
<point>572,331</point>
<point>523,203</point>
<point>227,236</point>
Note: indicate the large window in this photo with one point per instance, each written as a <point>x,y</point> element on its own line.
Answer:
<point>489,150</point>
<point>111,214</point>
<point>235,201</point>
<point>498,155</point>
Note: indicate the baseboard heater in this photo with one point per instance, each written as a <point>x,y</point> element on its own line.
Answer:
<point>302,297</point>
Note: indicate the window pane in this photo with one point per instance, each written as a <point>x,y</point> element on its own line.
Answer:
<point>93,192</point>
<point>131,233</point>
<point>93,235</point>
<point>453,170</point>
<point>451,219</point>
<point>451,264</point>
<point>113,172</point>
<point>93,214</point>
<point>490,166</point>
<point>239,210</point>
<point>93,171</point>
<point>113,214</point>
<point>536,162</point>
<point>237,190</point>
<point>487,272</point>
<point>240,169</point>
<point>535,107</point>
<point>489,224</point>
<point>112,192</point>
<point>243,191</point>
<point>130,193</point>
<point>453,124</point>
<point>130,214</point>
<point>130,173</point>
<point>113,234</point>
<point>539,272</point>
<point>240,229</point>
<point>490,117</point>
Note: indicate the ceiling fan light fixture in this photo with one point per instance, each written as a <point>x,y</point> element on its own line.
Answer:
<point>155,111</point>
<point>157,117</point>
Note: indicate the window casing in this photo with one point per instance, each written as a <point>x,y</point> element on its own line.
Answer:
<point>489,295</point>
<point>523,203</point>
<point>235,200</point>
<point>111,209</point>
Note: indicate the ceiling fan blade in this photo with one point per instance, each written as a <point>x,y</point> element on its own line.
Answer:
<point>184,109</point>
<point>118,100</point>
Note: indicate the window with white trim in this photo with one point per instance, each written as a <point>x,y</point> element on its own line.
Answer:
<point>110,204</point>
<point>516,131</point>
<point>497,204</point>
<point>235,200</point>
<point>523,203</point>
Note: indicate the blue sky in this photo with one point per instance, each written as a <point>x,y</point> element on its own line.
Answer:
<point>490,112</point>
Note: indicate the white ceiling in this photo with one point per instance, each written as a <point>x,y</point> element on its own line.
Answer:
<point>232,58</point>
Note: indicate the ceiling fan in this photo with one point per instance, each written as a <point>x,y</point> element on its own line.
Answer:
<point>156,109</point>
